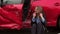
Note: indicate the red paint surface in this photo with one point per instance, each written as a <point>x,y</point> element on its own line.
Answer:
<point>11,15</point>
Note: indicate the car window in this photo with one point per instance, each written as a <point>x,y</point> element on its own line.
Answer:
<point>13,1</point>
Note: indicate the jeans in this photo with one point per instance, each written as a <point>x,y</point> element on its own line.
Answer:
<point>37,29</point>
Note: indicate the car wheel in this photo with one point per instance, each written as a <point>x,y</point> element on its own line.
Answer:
<point>58,23</point>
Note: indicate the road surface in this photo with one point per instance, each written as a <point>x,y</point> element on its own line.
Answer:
<point>26,31</point>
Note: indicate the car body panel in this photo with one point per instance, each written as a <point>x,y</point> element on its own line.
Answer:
<point>50,9</point>
<point>11,17</point>
<point>14,12</point>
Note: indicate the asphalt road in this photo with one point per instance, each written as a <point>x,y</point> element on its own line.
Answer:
<point>27,31</point>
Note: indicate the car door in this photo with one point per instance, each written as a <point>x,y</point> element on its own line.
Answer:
<point>11,14</point>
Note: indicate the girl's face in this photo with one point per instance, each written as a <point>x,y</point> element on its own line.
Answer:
<point>37,10</point>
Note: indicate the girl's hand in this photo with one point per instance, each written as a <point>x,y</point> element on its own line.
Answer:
<point>34,14</point>
<point>41,15</point>
<point>43,19</point>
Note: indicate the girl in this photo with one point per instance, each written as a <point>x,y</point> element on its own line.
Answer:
<point>37,20</point>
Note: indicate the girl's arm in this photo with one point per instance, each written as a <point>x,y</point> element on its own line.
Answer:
<point>33,18</point>
<point>43,19</point>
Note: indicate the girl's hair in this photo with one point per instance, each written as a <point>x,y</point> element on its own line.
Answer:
<point>38,8</point>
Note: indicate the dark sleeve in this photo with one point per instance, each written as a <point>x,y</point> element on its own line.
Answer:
<point>44,17</point>
<point>32,20</point>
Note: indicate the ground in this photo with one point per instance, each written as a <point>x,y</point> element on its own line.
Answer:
<point>26,31</point>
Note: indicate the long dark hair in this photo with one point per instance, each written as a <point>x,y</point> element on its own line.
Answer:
<point>41,10</point>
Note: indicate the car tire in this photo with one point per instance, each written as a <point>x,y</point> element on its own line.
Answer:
<point>58,23</point>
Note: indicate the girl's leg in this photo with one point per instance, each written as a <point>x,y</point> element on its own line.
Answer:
<point>40,29</point>
<point>33,29</point>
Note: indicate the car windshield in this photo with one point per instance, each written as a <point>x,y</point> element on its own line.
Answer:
<point>13,1</point>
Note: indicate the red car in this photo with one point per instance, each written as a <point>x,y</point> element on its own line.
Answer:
<point>11,14</point>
